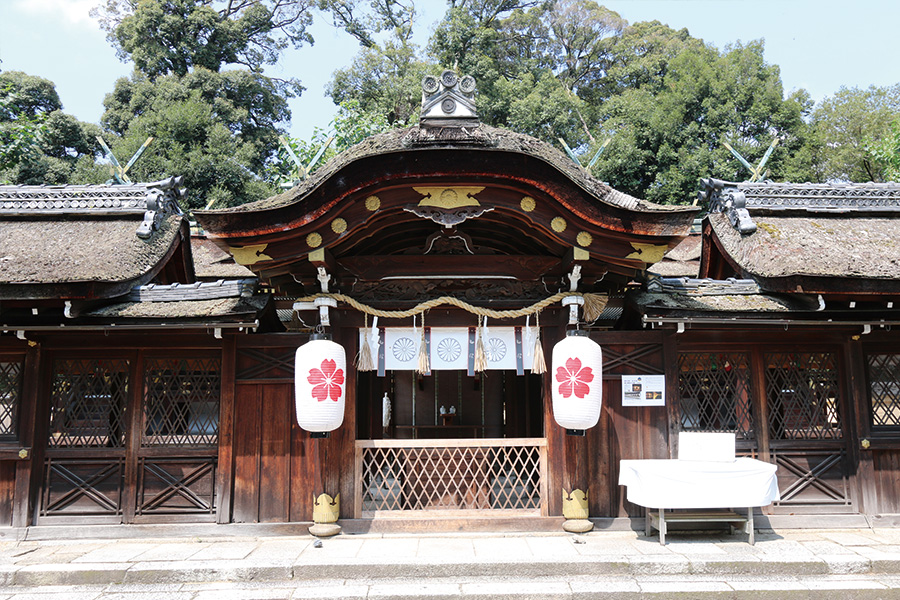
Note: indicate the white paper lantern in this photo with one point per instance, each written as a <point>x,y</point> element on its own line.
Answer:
<point>577,381</point>
<point>320,383</point>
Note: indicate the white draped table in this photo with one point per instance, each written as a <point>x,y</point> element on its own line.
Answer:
<point>690,484</point>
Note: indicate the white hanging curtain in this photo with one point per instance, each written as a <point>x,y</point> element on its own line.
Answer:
<point>449,348</point>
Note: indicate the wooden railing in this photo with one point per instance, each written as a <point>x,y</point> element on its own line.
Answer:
<point>420,476</point>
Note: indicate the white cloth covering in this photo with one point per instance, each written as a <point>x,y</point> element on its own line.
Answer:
<point>745,482</point>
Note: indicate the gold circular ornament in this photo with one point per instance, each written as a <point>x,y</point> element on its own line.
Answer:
<point>558,224</point>
<point>584,239</point>
<point>314,240</point>
<point>528,204</point>
<point>449,196</point>
<point>339,225</point>
<point>373,203</point>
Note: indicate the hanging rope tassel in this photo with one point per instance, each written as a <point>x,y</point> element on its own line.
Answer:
<point>424,365</point>
<point>593,306</point>
<point>480,356</point>
<point>538,365</point>
<point>364,361</point>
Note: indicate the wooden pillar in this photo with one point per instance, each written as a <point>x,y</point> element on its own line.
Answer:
<point>225,462</point>
<point>28,471</point>
<point>134,422</point>
<point>558,474</point>
<point>337,452</point>
<point>760,402</point>
<point>864,477</point>
<point>673,410</point>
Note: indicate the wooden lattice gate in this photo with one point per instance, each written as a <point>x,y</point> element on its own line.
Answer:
<point>131,439</point>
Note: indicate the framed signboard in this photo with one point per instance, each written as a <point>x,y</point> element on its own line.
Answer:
<point>643,390</point>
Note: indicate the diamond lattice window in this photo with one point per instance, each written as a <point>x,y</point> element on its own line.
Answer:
<point>10,391</point>
<point>803,398</point>
<point>181,401</point>
<point>87,405</point>
<point>714,393</point>
<point>884,389</point>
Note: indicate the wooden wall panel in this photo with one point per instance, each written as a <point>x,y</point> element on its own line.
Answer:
<point>305,474</point>
<point>887,481</point>
<point>7,487</point>
<point>276,415</point>
<point>624,432</point>
<point>247,411</point>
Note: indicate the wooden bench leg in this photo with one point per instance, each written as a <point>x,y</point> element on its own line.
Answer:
<point>648,527</point>
<point>750,525</point>
<point>662,526</point>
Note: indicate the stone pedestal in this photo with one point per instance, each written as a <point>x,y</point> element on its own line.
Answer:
<point>577,525</point>
<point>325,529</point>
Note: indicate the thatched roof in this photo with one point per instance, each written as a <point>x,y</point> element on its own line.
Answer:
<point>185,309</point>
<point>735,303</point>
<point>815,246</point>
<point>812,238</point>
<point>86,242</point>
<point>483,137</point>
<point>681,261</point>
<point>67,251</point>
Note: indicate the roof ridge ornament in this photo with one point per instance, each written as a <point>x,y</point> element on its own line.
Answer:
<point>161,201</point>
<point>448,101</point>
<point>724,198</point>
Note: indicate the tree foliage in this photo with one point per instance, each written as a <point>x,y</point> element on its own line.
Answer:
<point>350,126</point>
<point>213,122</point>
<point>215,129</point>
<point>386,74</point>
<point>173,36</point>
<point>575,70</point>
<point>39,143</point>
<point>678,100</point>
<point>886,153</point>
<point>848,122</point>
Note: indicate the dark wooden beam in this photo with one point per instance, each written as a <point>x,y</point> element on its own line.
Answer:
<point>321,257</point>
<point>374,268</point>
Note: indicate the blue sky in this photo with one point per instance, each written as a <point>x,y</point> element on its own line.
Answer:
<point>820,45</point>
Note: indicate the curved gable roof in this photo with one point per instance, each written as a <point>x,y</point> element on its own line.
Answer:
<point>507,204</point>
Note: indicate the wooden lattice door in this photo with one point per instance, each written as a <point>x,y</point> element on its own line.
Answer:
<point>783,406</point>
<point>131,438</point>
<point>807,436</point>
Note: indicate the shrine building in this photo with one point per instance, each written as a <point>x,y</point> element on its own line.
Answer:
<point>147,373</point>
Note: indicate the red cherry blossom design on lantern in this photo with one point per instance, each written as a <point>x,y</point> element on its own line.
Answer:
<point>574,378</point>
<point>326,381</point>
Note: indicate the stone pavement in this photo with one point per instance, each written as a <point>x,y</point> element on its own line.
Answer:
<point>784,564</point>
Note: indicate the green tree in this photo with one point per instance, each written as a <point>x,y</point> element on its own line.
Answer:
<point>886,153</point>
<point>670,102</point>
<point>844,124</point>
<point>39,143</point>
<point>215,129</point>
<point>173,36</point>
<point>386,74</point>
<point>216,126</point>
<point>534,61</point>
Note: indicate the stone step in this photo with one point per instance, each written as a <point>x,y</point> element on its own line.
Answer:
<point>845,587</point>
<point>325,569</point>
